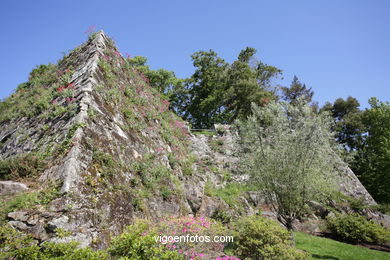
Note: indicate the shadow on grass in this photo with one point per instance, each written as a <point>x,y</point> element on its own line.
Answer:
<point>315,256</point>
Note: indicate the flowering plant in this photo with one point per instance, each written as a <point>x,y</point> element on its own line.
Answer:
<point>194,236</point>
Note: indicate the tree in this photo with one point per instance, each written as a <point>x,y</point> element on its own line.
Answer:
<point>296,91</point>
<point>349,127</point>
<point>373,160</point>
<point>287,150</point>
<point>163,80</point>
<point>205,90</point>
<point>219,92</point>
<point>248,84</point>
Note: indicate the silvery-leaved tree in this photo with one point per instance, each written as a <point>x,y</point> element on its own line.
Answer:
<point>289,153</point>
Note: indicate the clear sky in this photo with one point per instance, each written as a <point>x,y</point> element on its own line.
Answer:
<point>337,47</point>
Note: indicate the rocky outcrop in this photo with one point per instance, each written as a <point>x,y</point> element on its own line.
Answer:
<point>11,187</point>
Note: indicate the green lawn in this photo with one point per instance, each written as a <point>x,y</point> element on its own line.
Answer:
<point>323,248</point>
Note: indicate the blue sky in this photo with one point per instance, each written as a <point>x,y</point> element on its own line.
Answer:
<point>339,48</point>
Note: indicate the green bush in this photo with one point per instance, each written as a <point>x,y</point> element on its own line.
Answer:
<point>16,245</point>
<point>23,166</point>
<point>355,228</point>
<point>138,242</point>
<point>28,200</point>
<point>383,208</point>
<point>70,251</point>
<point>260,238</point>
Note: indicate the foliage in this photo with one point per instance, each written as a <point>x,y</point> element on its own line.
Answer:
<point>67,143</point>
<point>288,152</point>
<point>324,248</point>
<point>138,242</point>
<point>231,192</point>
<point>48,92</point>
<point>204,132</point>
<point>355,228</point>
<point>28,200</point>
<point>15,245</point>
<point>349,126</point>
<point>219,92</point>
<point>261,238</point>
<point>373,160</point>
<point>194,227</point>
<point>357,205</point>
<point>384,208</point>
<point>163,80</point>
<point>297,91</point>
<point>28,165</point>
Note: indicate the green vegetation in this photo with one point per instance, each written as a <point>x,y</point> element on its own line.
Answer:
<point>287,150</point>
<point>323,248</point>
<point>372,162</point>
<point>255,237</point>
<point>138,242</point>
<point>219,92</point>
<point>261,238</point>
<point>48,93</point>
<point>15,245</point>
<point>66,144</point>
<point>204,132</point>
<point>355,228</point>
<point>216,144</point>
<point>348,125</point>
<point>28,200</point>
<point>297,92</point>
<point>28,165</point>
<point>363,135</point>
<point>231,192</point>
<point>163,80</point>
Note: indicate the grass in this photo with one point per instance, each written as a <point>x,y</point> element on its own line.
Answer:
<point>204,132</point>
<point>28,200</point>
<point>324,248</point>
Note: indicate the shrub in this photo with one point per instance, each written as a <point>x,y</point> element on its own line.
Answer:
<point>16,245</point>
<point>383,208</point>
<point>147,240</point>
<point>70,251</point>
<point>260,238</point>
<point>23,166</point>
<point>138,242</point>
<point>355,228</point>
<point>29,199</point>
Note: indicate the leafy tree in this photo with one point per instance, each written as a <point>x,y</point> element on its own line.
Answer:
<point>205,90</point>
<point>296,91</point>
<point>288,152</point>
<point>219,92</point>
<point>163,80</point>
<point>373,160</point>
<point>349,126</point>
<point>248,84</point>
